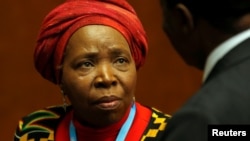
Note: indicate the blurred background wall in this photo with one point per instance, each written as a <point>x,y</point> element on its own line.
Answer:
<point>164,82</point>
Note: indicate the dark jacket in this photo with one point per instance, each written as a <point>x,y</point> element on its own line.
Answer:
<point>223,99</point>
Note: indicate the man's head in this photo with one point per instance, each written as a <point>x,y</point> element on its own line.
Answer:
<point>196,27</point>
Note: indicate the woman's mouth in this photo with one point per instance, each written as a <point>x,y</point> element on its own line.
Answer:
<point>108,103</point>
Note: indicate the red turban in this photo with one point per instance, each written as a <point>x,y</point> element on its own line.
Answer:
<point>64,20</point>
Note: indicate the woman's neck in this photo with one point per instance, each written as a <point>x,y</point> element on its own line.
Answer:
<point>107,133</point>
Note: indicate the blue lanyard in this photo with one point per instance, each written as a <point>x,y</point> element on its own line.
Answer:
<point>122,134</point>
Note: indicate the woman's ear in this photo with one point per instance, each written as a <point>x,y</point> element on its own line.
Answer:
<point>185,17</point>
<point>61,88</point>
<point>65,103</point>
<point>60,85</point>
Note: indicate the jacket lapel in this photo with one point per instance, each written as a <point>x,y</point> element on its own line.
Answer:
<point>235,56</point>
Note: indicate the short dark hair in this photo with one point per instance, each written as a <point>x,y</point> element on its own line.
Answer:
<point>220,13</point>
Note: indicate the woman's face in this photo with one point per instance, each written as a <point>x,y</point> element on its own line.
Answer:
<point>99,75</point>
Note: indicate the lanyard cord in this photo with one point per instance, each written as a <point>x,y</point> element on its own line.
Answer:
<point>122,133</point>
<point>126,126</point>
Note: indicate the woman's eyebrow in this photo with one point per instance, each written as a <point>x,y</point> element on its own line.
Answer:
<point>116,52</point>
<point>90,55</point>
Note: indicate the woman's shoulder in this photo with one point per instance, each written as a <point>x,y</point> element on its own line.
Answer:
<point>156,124</point>
<point>159,113</point>
<point>40,123</point>
<point>154,111</point>
<point>52,112</point>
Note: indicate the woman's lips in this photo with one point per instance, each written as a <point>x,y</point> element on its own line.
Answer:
<point>108,102</point>
<point>109,105</point>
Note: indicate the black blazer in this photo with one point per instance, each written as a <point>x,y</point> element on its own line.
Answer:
<point>224,98</point>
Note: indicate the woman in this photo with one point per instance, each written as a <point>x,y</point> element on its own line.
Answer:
<point>92,50</point>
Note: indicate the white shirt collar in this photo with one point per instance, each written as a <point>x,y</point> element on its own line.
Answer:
<point>222,50</point>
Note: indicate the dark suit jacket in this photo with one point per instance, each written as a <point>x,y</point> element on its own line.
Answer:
<point>224,98</point>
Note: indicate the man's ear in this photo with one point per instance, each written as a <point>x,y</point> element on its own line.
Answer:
<point>186,17</point>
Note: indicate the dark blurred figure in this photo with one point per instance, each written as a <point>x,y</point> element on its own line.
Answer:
<point>211,35</point>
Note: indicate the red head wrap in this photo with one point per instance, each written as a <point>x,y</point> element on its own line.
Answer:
<point>64,20</point>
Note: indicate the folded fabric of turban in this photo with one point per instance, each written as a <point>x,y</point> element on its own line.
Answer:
<point>64,20</point>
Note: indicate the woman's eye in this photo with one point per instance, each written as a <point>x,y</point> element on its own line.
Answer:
<point>121,61</point>
<point>85,64</point>
<point>121,64</point>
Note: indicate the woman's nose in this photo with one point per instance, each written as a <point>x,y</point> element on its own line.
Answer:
<point>105,77</point>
